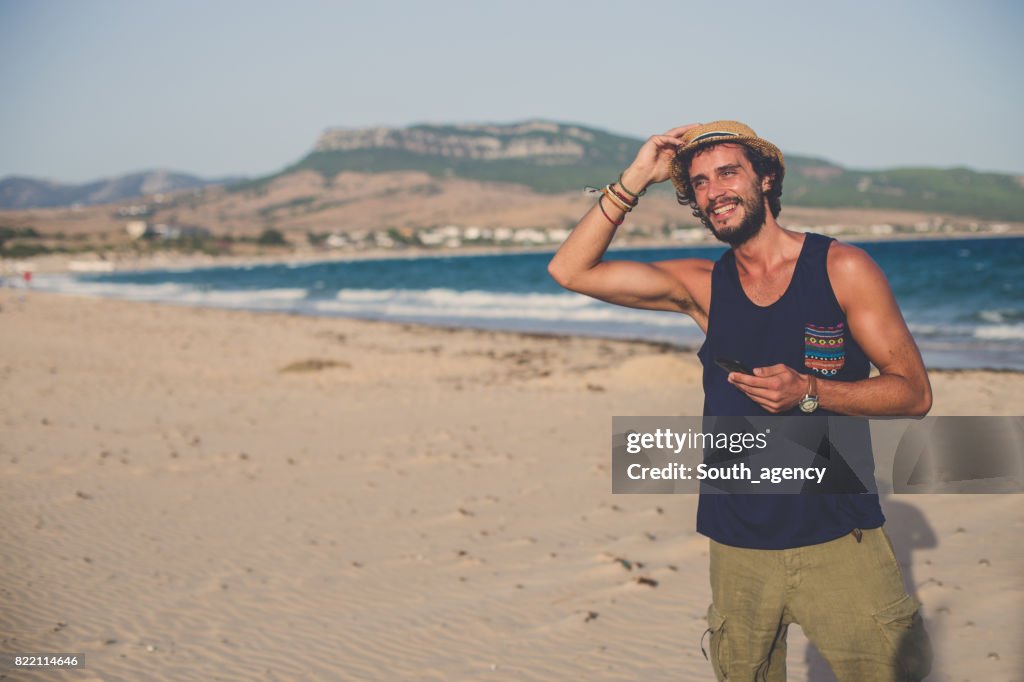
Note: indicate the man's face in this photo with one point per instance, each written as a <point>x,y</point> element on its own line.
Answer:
<point>729,195</point>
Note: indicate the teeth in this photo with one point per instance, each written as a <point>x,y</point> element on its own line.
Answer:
<point>723,209</point>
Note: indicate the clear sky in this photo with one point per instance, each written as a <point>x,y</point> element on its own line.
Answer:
<point>94,88</point>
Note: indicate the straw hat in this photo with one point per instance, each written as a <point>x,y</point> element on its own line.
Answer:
<point>717,132</point>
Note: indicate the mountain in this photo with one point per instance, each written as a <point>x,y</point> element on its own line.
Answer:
<point>22,193</point>
<point>547,157</point>
<point>551,157</point>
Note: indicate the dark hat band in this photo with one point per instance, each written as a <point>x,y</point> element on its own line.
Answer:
<point>713,133</point>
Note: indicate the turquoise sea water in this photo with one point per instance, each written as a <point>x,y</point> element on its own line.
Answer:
<point>963,298</point>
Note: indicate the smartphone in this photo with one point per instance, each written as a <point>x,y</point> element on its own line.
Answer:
<point>730,365</point>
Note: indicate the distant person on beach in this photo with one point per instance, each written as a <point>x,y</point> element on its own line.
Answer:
<point>26,280</point>
<point>809,315</point>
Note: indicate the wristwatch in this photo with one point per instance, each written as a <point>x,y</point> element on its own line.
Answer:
<point>809,403</point>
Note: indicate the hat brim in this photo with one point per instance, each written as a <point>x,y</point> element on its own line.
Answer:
<point>680,175</point>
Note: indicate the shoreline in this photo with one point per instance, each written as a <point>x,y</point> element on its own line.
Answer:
<point>173,261</point>
<point>450,311</point>
<point>658,346</point>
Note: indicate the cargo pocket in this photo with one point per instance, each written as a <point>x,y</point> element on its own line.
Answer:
<point>904,631</point>
<point>716,627</point>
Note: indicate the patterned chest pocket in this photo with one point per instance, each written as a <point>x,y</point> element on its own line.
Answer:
<point>823,348</point>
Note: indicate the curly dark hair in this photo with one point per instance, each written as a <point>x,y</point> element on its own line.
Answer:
<point>764,167</point>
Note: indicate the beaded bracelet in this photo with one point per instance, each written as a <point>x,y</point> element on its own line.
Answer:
<point>601,206</point>
<point>626,200</point>
<point>626,190</point>
<point>623,206</point>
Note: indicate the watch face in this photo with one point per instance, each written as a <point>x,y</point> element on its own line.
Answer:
<point>809,404</point>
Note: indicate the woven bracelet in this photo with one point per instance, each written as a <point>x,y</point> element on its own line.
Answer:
<point>622,206</point>
<point>627,190</point>
<point>626,200</point>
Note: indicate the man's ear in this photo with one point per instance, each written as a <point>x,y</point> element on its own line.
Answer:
<point>767,182</point>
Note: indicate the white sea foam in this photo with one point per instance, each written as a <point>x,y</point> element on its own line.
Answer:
<point>1001,315</point>
<point>941,330</point>
<point>260,299</point>
<point>411,304</point>
<point>450,298</point>
<point>1001,332</point>
<point>486,305</point>
<point>263,299</point>
<point>562,312</point>
<point>66,284</point>
<point>993,316</point>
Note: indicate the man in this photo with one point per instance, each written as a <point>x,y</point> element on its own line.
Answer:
<point>808,314</point>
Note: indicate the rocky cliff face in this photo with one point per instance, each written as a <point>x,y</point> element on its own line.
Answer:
<point>529,140</point>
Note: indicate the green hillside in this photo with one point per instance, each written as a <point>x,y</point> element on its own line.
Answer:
<point>549,179</point>
<point>809,182</point>
<point>959,191</point>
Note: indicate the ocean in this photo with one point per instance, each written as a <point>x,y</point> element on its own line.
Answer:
<point>962,298</point>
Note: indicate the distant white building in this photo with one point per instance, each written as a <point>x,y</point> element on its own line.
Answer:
<point>336,241</point>
<point>530,236</point>
<point>180,231</point>
<point>137,229</point>
<point>557,235</point>
<point>140,228</point>
<point>430,238</point>
<point>688,234</point>
<point>382,240</point>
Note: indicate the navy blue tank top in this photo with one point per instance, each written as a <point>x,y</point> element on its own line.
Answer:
<point>806,330</point>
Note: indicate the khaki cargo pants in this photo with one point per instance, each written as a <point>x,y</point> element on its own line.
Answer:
<point>846,594</point>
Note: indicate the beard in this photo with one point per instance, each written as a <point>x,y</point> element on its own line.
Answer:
<point>753,220</point>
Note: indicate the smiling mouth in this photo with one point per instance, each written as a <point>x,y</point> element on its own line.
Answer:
<point>725,209</point>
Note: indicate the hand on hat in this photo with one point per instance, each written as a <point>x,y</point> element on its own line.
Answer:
<point>654,159</point>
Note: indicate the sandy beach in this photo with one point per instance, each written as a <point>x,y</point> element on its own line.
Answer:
<point>198,494</point>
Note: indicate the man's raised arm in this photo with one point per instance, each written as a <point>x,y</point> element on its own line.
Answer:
<point>579,266</point>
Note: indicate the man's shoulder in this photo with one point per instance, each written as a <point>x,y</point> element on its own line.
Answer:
<point>845,260</point>
<point>854,274</point>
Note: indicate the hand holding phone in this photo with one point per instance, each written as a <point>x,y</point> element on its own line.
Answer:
<point>730,365</point>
